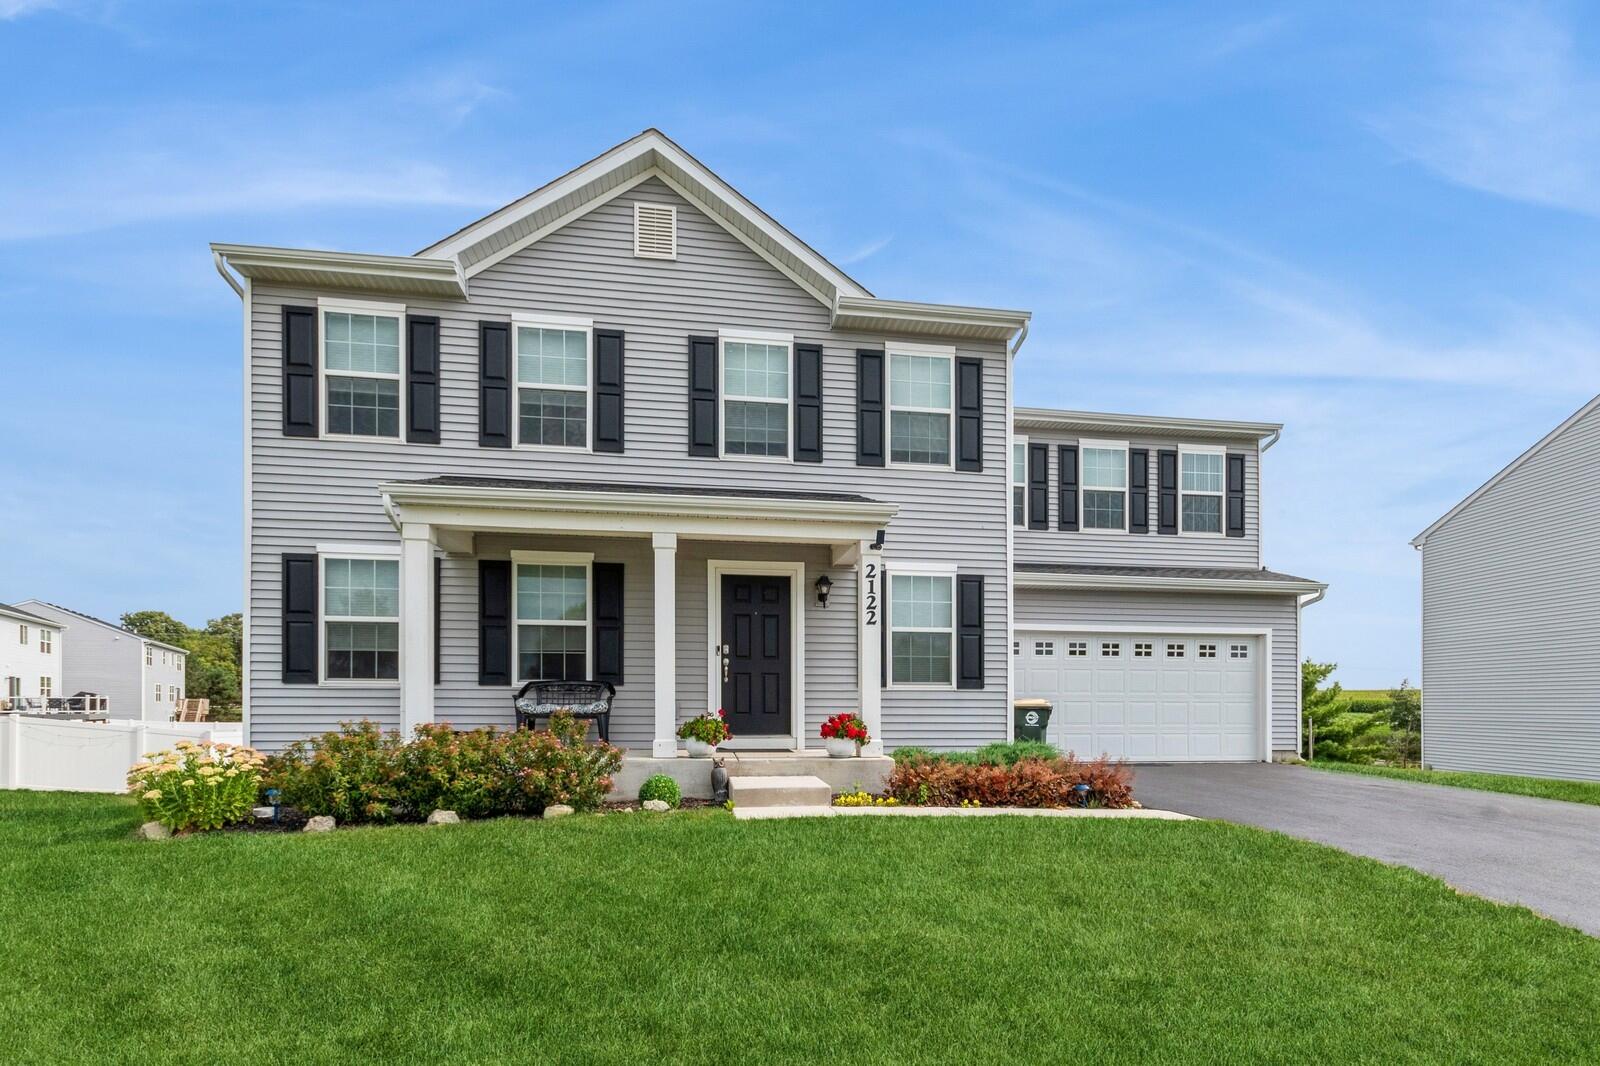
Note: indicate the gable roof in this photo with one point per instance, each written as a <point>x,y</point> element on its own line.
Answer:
<point>23,616</point>
<point>107,625</point>
<point>1506,471</point>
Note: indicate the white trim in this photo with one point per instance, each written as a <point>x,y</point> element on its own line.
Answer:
<point>1046,580</point>
<point>1011,538</point>
<point>948,354</point>
<point>726,337</point>
<point>1101,422</point>
<point>716,569</point>
<point>1084,488</point>
<point>397,312</point>
<point>1221,495</point>
<point>868,314</point>
<point>544,558</point>
<point>323,618</point>
<point>1012,484</point>
<point>755,336</point>
<point>920,569</point>
<point>414,275</point>
<point>384,549</point>
<point>247,399</point>
<point>521,321</point>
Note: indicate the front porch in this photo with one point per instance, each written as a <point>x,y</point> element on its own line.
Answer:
<point>692,599</point>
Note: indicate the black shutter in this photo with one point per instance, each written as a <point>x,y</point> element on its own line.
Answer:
<point>1138,490</point>
<point>1167,492</point>
<point>299,619</point>
<point>870,428</point>
<point>1038,485</point>
<point>608,379</point>
<point>1067,456</point>
<point>703,396</point>
<point>808,403</point>
<point>299,371</point>
<point>422,379</point>
<point>1235,494</point>
<point>494,622</point>
<point>494,385</point>
<point>608,622</point>
<point>969,630</point>
<point>969,414</point>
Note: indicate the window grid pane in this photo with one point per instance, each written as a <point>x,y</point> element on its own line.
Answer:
<point>756,428</point>
<point>552,357</point>
<point>363,407</point>
<point>554,417</point>
<point>919,381</point>
<point>756,371</point>
<point>361,588</point>
<point>1105,468</point>
<point>1202,514</point>
<point>918,437</point>
<point>552,593</point>
<point>921,658</point>
<point>369,343</point>
<point>552,653</point>
<point>363,651</point>
<point>1202,472</point>
<point>1103,510</point>
<point>920,602</point>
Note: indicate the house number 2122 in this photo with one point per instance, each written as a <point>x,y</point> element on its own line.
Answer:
<point>870,603</point>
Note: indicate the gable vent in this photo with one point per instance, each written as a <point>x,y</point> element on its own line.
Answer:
<point>655,231</point>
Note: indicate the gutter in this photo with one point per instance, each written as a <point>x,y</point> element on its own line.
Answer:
<point>1022,335</point>
<point>1315,597</point>
<point>1270,441</point>
<point>221,265</point>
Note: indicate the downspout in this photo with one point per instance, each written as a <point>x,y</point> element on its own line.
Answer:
<point>1016,347</point>
<point>217,261</point>
<point>1271,440</point>
<point>1300,604</point>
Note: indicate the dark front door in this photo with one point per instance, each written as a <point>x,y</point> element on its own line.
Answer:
<point>755,655</point>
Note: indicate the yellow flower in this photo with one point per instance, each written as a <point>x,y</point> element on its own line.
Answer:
<point>153,795</point>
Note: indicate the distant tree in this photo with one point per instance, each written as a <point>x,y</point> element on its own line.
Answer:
<point>1333,729</point>
<point>230,626</point>
<point>157,625</point>
<point>211,669</point>
<point>1405,722</point>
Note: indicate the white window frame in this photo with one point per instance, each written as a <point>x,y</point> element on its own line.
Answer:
<point>917,569</point>
<point>1019,442</point>
<point>47,642</point>
<point>149,655</point>
<point>46,686</point>
<point>22,633</point>
<point>13,688</point>
<point>158,692</point>
<point>358,307</point>
<point>745,336</point>
<point>942,351</point>
<point>1222,497</point>
<point>379,552</point>
<point>1084,487</point>
<point>532,558</point>
<point>519,322</point>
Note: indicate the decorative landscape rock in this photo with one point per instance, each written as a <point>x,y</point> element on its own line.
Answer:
<point>657,805</point>
<point>321,823</point>
<point>153,831</point>
<point>557,810</point>
<point>443,818</point>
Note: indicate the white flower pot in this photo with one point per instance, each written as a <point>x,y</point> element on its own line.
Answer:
<point>699,749</point>
<point>840,747</point>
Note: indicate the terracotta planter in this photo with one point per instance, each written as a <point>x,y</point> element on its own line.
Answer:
<point>841,747</point>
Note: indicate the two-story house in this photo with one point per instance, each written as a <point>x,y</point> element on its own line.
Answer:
<point>137,677</point>
<point>630,428</point>
<point>31,648</point>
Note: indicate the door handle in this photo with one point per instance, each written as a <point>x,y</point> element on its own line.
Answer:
<point>724,664</point>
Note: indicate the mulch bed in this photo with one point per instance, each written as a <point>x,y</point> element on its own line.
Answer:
<point>292,821</point>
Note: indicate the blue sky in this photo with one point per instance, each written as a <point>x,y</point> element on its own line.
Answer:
<point>1377,223</point>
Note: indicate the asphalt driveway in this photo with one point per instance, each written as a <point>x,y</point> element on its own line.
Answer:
<point>1543,854</point>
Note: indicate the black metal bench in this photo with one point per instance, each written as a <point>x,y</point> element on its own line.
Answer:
<point>588,701</point>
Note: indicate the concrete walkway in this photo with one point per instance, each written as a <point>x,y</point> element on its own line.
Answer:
<point>1543,854</point>
<point>756,814</point>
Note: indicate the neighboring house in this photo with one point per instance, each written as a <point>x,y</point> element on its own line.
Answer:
<point>1511,612</point>
<point>142,678</point>
<point>631,428</point>
<point>31,649</point>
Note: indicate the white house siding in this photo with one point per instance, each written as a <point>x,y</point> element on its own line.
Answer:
<point>22,658</point>
<point>309,491</point>
<point>109,661</point>
<point>1054,545</point>
<point>1511,620</point>
<point>1042,609</point>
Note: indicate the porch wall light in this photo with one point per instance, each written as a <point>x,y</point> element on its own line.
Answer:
<point>824,586</point>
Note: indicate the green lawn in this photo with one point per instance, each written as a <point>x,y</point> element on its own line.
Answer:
<point>1543,787</point>
<point>691,937</point>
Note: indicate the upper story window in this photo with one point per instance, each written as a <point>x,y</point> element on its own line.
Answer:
<point>552,606</point>
<point>1104,484</point>
<point>361,362</point>
<point>1200,483</point>
<point>22,634</point>
<point>47,641</point>
<point>158,692</point>
<point>1019,481</point>
<point>361,619</point>
<point>920,390</point>
<point>149,655</point>
<point>553,383</point>
<point>46,685</point>
<point>756,396</point>
<point>922,629</point>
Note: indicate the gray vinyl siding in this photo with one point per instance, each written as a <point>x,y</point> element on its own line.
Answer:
<point>1054,545</point>
<point>306,491</point>
<point>1511,620</point>
<point>1045,608</point>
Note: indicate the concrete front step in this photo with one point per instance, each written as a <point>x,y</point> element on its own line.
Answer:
<point>870,773</point>
<point>788,790</point>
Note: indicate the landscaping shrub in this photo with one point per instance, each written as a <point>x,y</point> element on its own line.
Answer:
<point>660,787</point>
<point>1002,753</point>
<point>360,774</point>
<point>197,786</point>
<point>939,781</point>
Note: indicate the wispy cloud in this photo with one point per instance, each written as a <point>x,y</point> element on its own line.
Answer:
<point>865,251</point>
<point>1514,112</point>
<point>13,9</point>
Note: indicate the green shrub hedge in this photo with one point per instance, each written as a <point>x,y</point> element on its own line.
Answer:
<point>660,787</point>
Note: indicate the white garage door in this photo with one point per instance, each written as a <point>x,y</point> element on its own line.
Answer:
<point>1150,698</point>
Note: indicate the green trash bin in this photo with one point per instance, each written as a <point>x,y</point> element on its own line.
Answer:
<point>1032,718</point>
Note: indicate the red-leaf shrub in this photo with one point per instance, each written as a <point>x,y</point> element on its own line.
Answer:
<point>929,780</point>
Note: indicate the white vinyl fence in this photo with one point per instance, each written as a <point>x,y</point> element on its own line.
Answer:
<point>65,755</point>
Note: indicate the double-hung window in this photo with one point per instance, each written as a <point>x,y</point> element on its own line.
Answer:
<point>921,629</point>
<point>756,395</point>
<point>360,618</point>
<point>149,655</point>
<point>22,634</point>
<point>920,404</point>
<point>362,357</point>
<point>553,382</point>
<point>47,641</point>
<point>46,686</point>
<point>1104,485</point>
<point>1200,482</point>
<point>1019,481</point>
<point>553,616</point>
<point>158,692</point>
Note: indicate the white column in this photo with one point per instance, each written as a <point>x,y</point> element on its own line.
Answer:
<point>870,594</point>
<point>665,744</point>
<point>416,625</point>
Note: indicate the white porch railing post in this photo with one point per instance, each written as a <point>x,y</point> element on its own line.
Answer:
<point>664,745</point>
<point>870,595</point>
<point>416,625</point>
<point>12,765</point>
